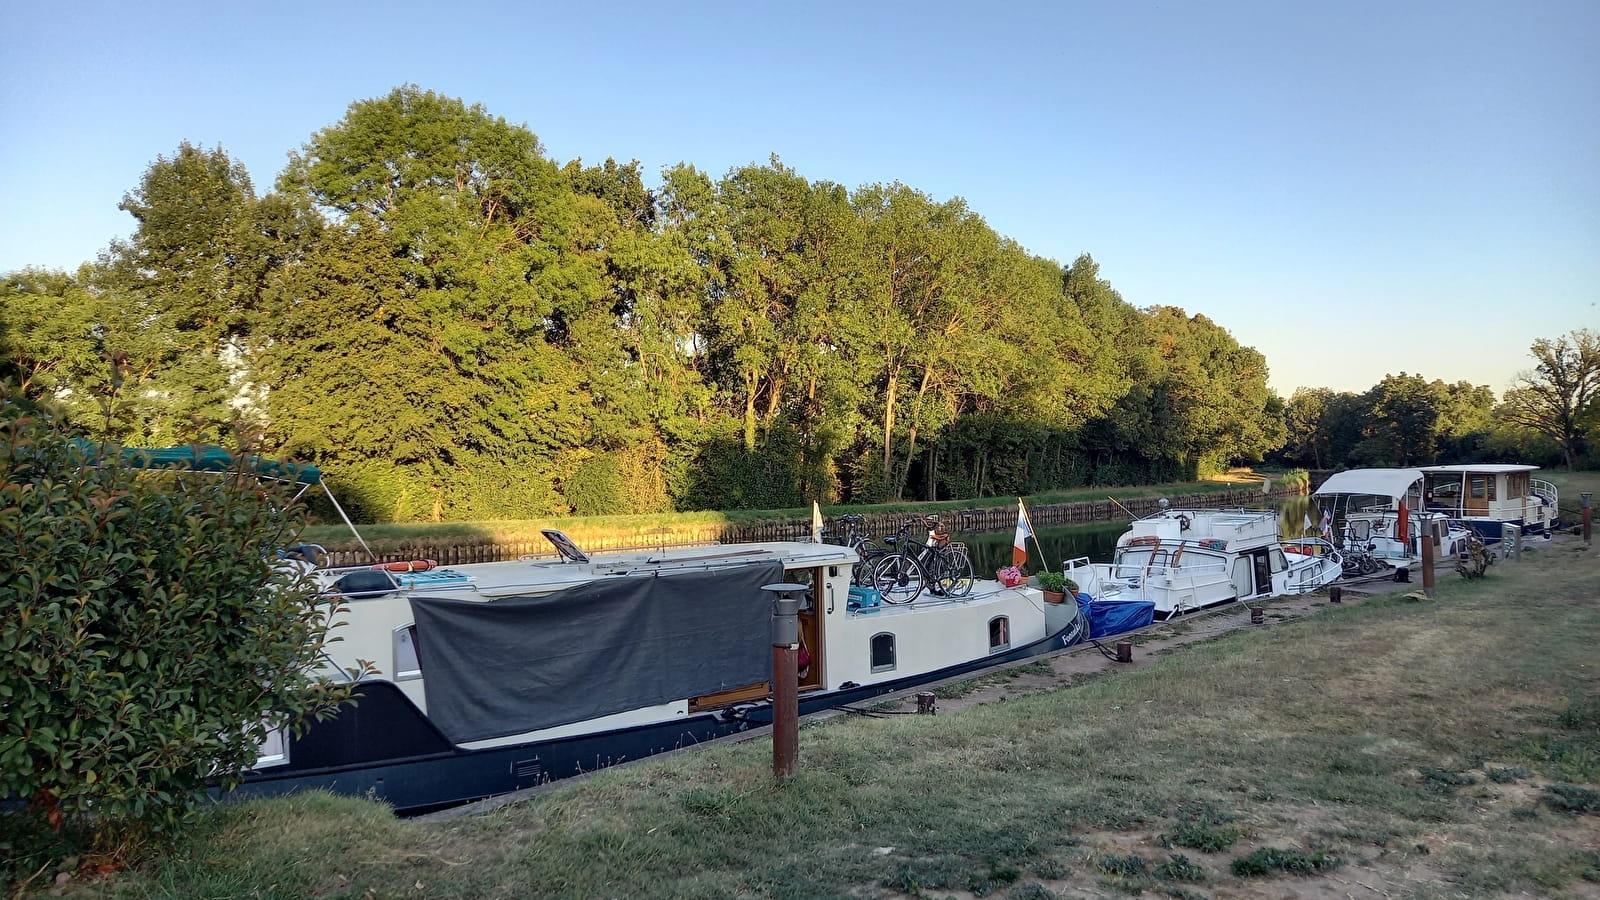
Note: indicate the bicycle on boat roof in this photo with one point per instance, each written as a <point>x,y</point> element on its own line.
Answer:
<point>941,565</point>
<point>857,539</point>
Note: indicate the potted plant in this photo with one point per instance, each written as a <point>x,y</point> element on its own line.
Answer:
<point>1010,576</point>
<point>1054,585</point>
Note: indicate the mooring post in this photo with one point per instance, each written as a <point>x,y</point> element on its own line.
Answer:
<point>1427,566</point>
<point>1586,515</point>
<point>927,703</point>
<point>1124,651</point>
<point>785,676</point>
<point>1336,594</point>
<point>1258,617</point>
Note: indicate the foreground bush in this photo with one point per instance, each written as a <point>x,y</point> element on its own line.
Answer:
<point>147,643</point>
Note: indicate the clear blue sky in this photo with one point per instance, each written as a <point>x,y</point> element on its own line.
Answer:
<point>1352,188</point>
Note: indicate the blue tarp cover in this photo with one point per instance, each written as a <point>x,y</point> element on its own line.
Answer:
<point>1108,617</point>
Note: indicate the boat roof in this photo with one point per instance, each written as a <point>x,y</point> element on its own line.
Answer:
<point>1481,468</point>
<point>1381,482</point>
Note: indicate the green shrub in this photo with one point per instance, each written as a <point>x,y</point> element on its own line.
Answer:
<point>596,487</point>
<point>1208,832</point>
<point>1275,859</point>
<point>149,644</point>
<point>1572,798</point>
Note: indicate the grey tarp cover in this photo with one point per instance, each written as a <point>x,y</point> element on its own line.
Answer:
<point>619,643</point>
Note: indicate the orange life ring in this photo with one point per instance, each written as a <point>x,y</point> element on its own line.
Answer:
<point>408,565</point>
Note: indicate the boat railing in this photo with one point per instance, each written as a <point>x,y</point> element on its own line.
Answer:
<point>1153,543</point>
<point>1111,578</point>
<point>1310,546</point>
<point>1545,491</point>
<point>1310,573</point>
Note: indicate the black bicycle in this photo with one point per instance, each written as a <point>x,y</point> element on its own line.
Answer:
<point>1358,547</point>
<point>857,539</point>
<point>940,565</point>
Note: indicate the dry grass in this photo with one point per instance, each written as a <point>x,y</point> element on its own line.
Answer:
<point>1391,748</point>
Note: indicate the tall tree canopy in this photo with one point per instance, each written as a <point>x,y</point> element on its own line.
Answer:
<point>1555,397</point>
<point>457,326</point>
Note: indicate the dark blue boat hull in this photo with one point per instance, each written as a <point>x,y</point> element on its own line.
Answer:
<point>385,748</point>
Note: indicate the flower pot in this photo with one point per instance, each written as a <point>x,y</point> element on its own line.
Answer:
<point>1055,597</point>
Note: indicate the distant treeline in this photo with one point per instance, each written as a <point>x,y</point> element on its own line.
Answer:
<point>455,326</point>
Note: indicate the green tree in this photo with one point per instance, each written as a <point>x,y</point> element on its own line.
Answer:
<point>473,268</point>
<point>1466,419</point>
<point>190,279</point>
<point>1308,443</point>
<point>1210,395</point>
<point>1554,398</point>
<point>1402,425</point>
<point>53,327</point>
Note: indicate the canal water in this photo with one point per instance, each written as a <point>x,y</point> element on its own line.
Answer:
<point>992,550</point>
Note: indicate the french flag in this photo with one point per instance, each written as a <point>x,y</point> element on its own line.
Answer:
<point>1019,544</point>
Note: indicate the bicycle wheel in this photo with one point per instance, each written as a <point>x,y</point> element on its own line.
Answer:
<point>861,572</point>
<point>955,574</point>
<point>899,578</point>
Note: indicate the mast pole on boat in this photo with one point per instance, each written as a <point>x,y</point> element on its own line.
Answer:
<point>347,523</point>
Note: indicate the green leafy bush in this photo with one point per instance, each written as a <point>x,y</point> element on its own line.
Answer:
<point>1268,860</point>
<point>149,644</point>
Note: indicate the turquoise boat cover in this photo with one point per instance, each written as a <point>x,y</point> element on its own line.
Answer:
<point>204,458</point>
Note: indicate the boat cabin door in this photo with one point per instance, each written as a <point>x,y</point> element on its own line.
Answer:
<point>1252,574</point>
<point>811,635</point>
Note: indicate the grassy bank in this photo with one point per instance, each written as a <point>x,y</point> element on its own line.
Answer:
<point>1572,485</point>
<point>644,529</point>
<point>1394,748</point>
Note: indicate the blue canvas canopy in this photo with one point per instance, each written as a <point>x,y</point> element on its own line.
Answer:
<point>205,458</point>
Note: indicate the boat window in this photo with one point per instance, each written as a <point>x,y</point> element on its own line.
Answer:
<point>1132,562</point>
<point>1478,489</point>
<point>999,633</point>
<point>407,662</point>
<point>1492,485</point>
<point>1279,563</point>
<point>882,652</point>
<point>273,749</point>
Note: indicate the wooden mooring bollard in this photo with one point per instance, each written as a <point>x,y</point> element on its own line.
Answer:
<point>1336,594</point>
<point>1125,651</point>
<point>927,703</point>
<point>1258,617</point>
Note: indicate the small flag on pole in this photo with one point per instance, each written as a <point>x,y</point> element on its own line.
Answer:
<point>1306,529</point>
<point>816,523</point>
<point>1019,545</point>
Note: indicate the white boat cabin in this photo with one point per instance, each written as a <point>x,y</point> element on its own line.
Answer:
<point>1384,509</point>
<point>1188,559</point>
<point>1485,496</point>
